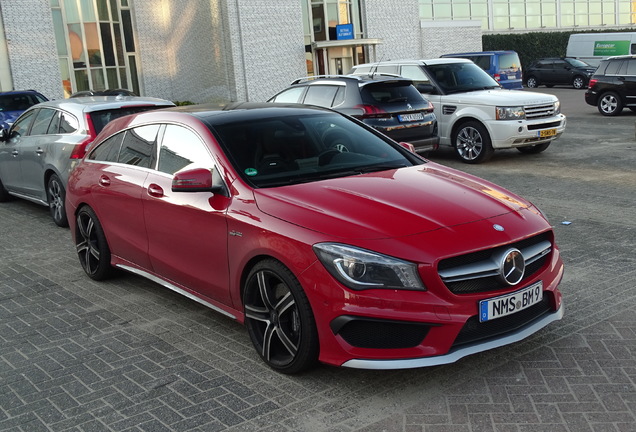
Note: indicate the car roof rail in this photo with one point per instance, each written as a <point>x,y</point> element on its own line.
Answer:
<point>313,77</point>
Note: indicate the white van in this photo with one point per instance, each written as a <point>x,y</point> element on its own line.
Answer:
<point>594,47</point>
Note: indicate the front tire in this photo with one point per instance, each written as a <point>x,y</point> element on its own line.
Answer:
<point>472,143</point>
<point>537,148</point>
<point>91,245</point>
<point>279,319</point>
<point>609,104</point>
<point>532,82</point>
<point>579,82</point>
<point>56,196</point>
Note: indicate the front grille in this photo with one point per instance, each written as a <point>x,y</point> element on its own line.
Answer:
<point>379,334</point>
<point>478,272</point>
<point>539,111</point>
<point>544,125</point>
<point>474,330</point>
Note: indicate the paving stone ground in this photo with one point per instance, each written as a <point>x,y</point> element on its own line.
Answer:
<point>129,355</point>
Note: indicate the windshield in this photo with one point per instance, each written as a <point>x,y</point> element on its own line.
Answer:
<point>297,149</point>
<point>19,101</point>
<point>578,63</point>
<point>461,77</point>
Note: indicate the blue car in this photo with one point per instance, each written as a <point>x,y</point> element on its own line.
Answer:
<point>14,103</point>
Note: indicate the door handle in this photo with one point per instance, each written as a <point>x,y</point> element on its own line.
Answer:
<point>39,151</point>
<point>155,190</point>
<point>104,181</point>
<point>15,153</point>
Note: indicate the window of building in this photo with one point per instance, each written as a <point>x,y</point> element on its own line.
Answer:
<point>95,45</point>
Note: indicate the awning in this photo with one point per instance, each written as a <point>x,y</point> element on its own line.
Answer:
<point>345,43</point>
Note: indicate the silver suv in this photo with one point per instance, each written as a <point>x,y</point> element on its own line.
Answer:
<point>41,148</point>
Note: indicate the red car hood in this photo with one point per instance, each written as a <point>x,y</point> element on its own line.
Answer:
<point>389,204</point>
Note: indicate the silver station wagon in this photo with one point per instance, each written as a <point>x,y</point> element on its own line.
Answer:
<point>45,143</point>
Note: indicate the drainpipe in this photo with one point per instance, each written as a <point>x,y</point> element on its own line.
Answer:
<point>6,81</point>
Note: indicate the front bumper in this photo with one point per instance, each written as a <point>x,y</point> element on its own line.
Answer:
<point>511,134</point>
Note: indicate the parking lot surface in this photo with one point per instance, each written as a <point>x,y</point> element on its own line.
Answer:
<point>129,355</point>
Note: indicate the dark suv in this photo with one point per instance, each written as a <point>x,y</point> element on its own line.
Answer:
<point>613,85</point>
<point>558,71</point>
<point>392,105</point>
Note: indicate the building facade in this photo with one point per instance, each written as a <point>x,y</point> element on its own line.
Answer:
<point>232,50</point>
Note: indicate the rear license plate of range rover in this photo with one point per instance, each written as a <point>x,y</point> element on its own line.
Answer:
<point>410,117</point>
<point>498,307</point>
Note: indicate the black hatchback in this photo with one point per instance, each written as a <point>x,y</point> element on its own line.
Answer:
<point>391,105</point>
<point>558,71</point>
<point>613,85</point>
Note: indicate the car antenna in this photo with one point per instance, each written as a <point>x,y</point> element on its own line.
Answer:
<point>375,67</point>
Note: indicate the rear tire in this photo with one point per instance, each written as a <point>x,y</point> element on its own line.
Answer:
<point>532,82</point>
<point>610,104</point>
<point>92,247</point>
<point>56,196</point>
<point>472,143</point>
<point>537,148</point>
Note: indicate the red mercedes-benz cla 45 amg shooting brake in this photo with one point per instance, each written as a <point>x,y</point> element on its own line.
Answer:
<point>329,241</point>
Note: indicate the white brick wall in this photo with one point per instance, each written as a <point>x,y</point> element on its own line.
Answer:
<point>28,26</point>
<point>397,24</point>
<point>447,37</point>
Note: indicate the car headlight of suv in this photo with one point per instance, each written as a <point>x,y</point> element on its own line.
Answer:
<point>557,107</point>
<point>511,113</point>
<point>361,269</point>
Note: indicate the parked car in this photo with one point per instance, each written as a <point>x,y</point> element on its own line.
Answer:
<point>613,86</point>
<point>559,71</point>
<point>474,114</point>
<point>14,103</point>
<point>503,66</point>
<point>44,144</point>
<point>327,239</point>
<point>390,104</point>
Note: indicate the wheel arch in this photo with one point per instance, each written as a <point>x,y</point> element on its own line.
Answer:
<point>461,121</point>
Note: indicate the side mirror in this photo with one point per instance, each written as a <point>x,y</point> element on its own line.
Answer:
<point>196,180</point>
<point>410,147</point>
<point>426,88</point>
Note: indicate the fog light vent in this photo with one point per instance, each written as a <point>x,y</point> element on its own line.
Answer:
<point>373,333</point>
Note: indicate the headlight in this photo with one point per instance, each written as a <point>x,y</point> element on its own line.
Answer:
<point>361,269</point>
<point>510,113</point>
<point>557,107</point>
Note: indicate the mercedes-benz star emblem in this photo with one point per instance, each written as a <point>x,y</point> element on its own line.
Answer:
<point>512,267</point>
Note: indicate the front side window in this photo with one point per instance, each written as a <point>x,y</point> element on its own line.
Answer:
<point>21,126</point>
<point>181,149</point>
<point>139,145</point>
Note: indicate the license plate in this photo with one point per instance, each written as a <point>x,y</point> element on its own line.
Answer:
<point>498,307</point>
<point>547,133</point>
<point>410,117</point>
<point>512,76</point>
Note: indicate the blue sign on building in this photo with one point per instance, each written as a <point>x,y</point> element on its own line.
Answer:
<point>344,31</point>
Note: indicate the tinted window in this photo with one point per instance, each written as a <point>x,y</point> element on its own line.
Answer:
<point>42,121</point>
<point>19,101</point>
<point>291,95</point>
<point>108,150</point>
<point>68,123</point>
<point>613,67</point>
<point>101,118</point>
<point>509,61</point>
<point>321,95</point>
<point>631,67</point>
<point>138,147</point>
<point>387,94</point>
<point>481,61</point>
<point>181,148</point>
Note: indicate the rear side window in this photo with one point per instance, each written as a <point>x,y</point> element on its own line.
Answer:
<point>321,95</point>
<point>108,151</point>
<point>631,67</point>
<point>138,147</point>
<point>415,73</point>
<point>481,61</point>
<point>291,95</point>
<point>102,118</point>
<point>68,123</point>
<point>613,67</point>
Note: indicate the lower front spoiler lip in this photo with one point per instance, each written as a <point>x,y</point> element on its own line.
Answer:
<point>458,353</point>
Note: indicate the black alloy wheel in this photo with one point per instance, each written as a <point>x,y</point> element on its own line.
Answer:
<point>610,104</point>
<point>279,319</point>
<point>56,195</point>
<point>537,148</point>
<point>91,245</point>
<point>472,143</point>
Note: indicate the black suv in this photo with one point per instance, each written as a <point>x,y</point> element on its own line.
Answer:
<point>613,85</point>
<point>558,71</point>
<point>390,104</point>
